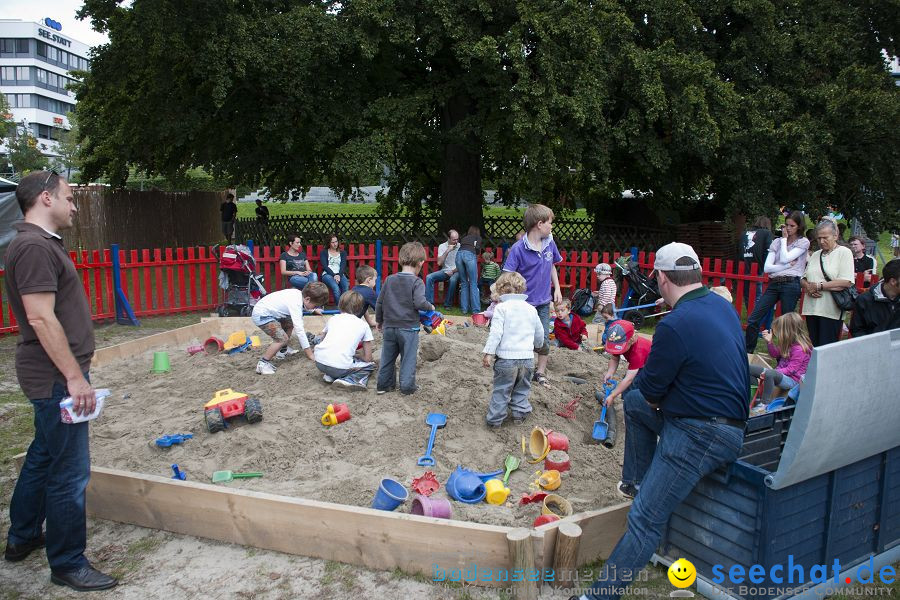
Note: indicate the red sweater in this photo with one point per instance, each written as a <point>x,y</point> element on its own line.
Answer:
<point>570,335</point>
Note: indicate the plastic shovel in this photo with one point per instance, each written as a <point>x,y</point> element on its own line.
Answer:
<point>436,421</point>
<point>222,476</point>
<point>601,427</point>
<point>511,464</point>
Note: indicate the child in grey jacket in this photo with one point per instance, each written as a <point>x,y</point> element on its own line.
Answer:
<point>516,331</point>
<point>397,316</point>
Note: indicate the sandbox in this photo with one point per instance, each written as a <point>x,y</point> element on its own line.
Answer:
<point>318,480</point>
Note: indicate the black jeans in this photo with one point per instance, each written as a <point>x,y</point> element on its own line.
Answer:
<point>823,330</point>
<point>788,292</point>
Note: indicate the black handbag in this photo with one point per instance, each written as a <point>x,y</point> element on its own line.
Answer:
<point>846,298</point>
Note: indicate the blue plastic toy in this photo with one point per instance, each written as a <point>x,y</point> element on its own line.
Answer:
<point>241,348</point>
<point>179,474</point>
<point>430,319</point>
<point>167,440</point>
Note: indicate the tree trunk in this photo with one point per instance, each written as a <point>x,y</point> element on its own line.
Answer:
<point>461,194</point>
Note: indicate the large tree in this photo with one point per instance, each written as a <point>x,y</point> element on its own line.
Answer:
<point>742,101</point>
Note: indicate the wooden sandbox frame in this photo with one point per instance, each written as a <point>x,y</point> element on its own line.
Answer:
<point>360,536</point>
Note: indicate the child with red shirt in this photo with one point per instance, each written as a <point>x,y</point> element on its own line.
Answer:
<point>623,343</point>
<point>568,327</point>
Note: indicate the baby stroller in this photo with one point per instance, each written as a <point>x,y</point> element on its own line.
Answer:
<point>238,277</point>
<point>642,292</point>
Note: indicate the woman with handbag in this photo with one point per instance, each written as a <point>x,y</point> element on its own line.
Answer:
<point>827,282</point>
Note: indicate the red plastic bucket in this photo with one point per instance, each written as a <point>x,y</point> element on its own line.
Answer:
<point>479,320</point>
<point>213,345</point>
<point>557,441</point>
<point>557,459</point>
<point>544,519</point>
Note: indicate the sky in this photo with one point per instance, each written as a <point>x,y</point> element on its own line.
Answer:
<point>62,11</point>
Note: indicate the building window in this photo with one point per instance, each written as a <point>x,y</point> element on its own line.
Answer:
<point>24,101</point>
<point>52,79</point>
<point>8,74</point>
<point>41,76</point>
<point>52,53</point>
<point>22,74</point>
<point>7,46</point>
<point>42,49</point>
<point>22,46</point>
<point>11,100</point>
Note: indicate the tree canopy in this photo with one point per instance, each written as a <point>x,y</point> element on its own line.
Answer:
<point>747,104</point>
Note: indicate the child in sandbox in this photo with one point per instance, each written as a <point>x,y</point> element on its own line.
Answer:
<point>516,331</point>
<point>568,327</point>
<point>397,315</point>
<point>623,342</point>
<point>791,348</point>
<point>335,355</point>
<point>280,314</point>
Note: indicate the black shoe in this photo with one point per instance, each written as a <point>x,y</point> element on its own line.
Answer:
<point>627,489</point>
<point>85,579</point>
<point>17,552</point>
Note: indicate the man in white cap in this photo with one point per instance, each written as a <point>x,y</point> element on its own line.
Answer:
<point>695,386</point>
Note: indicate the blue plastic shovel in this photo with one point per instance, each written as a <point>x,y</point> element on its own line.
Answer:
<point>436,421</point>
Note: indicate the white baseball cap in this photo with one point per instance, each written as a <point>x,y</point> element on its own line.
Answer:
<point>667,256</point>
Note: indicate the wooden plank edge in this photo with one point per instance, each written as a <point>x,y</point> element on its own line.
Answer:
<point>181,335</point>
<point>361,536</point>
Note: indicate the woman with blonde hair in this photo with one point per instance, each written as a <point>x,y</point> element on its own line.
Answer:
<point>792,349</point>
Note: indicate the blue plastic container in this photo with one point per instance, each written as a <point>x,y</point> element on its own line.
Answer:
<point>390,495</point>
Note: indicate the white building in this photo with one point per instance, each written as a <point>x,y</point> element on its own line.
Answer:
<point>35,60</point>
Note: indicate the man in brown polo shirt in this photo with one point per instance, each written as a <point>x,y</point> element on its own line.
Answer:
<point>53,356</point>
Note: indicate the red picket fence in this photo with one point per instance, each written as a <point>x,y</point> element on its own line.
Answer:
<point>176,280</point>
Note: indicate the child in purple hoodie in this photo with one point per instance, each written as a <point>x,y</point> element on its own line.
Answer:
<point>792,351</point>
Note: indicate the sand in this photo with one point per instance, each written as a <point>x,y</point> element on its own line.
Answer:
<point>385,436</point>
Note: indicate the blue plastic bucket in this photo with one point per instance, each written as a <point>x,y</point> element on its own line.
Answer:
<point>390,495</point>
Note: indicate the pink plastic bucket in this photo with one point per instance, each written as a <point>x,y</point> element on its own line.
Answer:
<point>430,507</point>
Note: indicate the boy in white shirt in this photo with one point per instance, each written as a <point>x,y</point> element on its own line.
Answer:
<point>280,314</point>
<point>335,355</point>
<point>516,331</point>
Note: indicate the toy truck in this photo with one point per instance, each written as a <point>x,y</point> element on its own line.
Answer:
<point>227,404</point>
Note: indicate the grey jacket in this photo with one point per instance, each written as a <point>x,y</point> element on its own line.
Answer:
<point>402,297</point>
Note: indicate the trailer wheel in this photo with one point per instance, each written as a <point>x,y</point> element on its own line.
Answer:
<point>253,410</point>
<point>636,317</point>
<point>215,422</point>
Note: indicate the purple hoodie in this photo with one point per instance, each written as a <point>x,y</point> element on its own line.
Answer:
<point>794,366</point>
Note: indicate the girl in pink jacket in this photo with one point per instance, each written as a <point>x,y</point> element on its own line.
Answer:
<point>792,349</point>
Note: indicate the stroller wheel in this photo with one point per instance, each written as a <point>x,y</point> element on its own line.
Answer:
<point>636,317</point>
<point>246,311</point>
<point>222,311</point>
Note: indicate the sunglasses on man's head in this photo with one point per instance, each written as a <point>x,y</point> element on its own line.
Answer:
<point>47,181</point>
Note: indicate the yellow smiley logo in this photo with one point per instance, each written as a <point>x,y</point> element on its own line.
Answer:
<point>682,573</point>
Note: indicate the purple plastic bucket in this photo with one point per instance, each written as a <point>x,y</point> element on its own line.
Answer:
<point>430,507</point>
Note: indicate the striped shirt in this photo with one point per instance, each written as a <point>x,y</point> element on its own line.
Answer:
<point>607,293</point>
<point>490,270</point>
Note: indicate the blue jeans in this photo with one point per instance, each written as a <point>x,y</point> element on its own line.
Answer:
<point>300,281</point>
<point>543,312</point>
<point>359,373</point>
<point>469,296</point>
<point>687,450</point>
<point>51,486</point>
<point>337,288</point>
<point>434,278</point>
<point>512,385</point>
<point>788,292</point>
<point>405,344</point>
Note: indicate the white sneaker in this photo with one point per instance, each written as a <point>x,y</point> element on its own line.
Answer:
<point>264,367</point>
<point>328,378</point>
<point>349,384</point>
<point>285,352</point>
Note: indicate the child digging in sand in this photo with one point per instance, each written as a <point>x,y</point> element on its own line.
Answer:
<point>280,314</point>
<point>335,354</point>
<point>397,315</point>
<point>516,330</point>
<point>568,327</point>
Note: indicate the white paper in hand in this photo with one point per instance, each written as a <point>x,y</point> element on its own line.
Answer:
<point>67,414</point>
